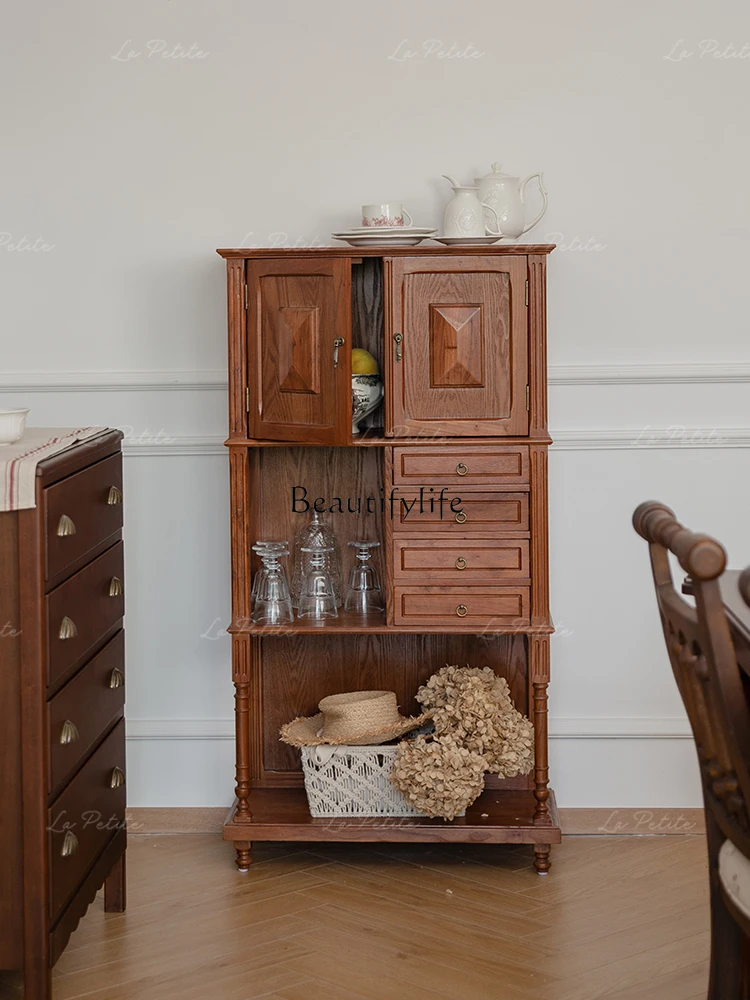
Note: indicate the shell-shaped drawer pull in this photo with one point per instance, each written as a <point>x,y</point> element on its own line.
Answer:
<point>114,496</point>
<point>462,469</point>
<point>65,526</point>
<point>460,563</point>
<point>118,778</point>
<point>69,732</point>
<point>115,587</point>
<point>116,680</point>
<point>70,844</point>
<point>461,516</point>
<point>68,628</point>
<point>462,610</point>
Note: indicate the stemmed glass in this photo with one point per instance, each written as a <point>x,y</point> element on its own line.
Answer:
<point>316,534</point>
<point>363,594</point>
<point>317,596</point>
<point>272,603</point>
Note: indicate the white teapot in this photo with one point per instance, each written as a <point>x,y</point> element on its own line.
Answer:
<point>466,216</point>
<point>504,195</point>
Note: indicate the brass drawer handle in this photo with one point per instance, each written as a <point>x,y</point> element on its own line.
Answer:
<point>398,338</point>
<point>70,844</point>
<point>461,516</point>
<point>338,342</point>
<point>460,563</point>
<point>115,587</point>
<point>114,497</point>
<point>118,778</point>
<point>68,629</point>
<point>65,526</point>
<point>116,680</point>
<point>69,733</point>
<point>462,469</point>
<point>461,610</point>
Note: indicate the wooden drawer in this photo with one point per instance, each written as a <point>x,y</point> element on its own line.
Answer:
<point>84,709</point>
<point>503,467</point>
<point>85,817</point>
<point>80,513</point>
<point>477,513</point>
<point>82,610</point>
<point>471,560</point>
<point>462,607</point>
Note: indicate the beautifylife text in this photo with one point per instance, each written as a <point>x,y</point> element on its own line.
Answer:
<point>428,501</point>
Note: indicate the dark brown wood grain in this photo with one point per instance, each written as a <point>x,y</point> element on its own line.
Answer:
<point>462,465</point>
<point>460,562</point>
<point>485,512</point>
<point>423,250</point>
<point>479,607</point>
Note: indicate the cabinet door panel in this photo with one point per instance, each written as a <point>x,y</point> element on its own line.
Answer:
<point>296,312</point>
<point>462,366</point>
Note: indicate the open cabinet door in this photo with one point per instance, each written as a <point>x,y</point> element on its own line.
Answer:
<point>299,350</point>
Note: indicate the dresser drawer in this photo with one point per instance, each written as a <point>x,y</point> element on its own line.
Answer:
<point>503,467</point>
<point>84,709</point>
<point>85,817</point>
<point>471,560</point>
<point>80,513</point>
<point>462,607</point>
<point>82,610</point>
<point>473,512</point>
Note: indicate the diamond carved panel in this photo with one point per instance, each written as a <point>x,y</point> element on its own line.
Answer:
<point>298,349</point>
<point>456,346</point>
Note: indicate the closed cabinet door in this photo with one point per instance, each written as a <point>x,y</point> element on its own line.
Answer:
<point>299,350</point>
<point>459,346</point>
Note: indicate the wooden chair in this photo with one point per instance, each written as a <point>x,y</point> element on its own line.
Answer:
<point>705,666</point>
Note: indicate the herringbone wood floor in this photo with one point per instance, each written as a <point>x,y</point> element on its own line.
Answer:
<point>621,918</point>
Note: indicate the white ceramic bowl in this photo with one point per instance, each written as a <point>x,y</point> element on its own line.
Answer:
<point>12,423</point>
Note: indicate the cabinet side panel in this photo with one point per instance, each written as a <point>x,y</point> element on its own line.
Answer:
<point>11,941</point>
<point>237,318</point>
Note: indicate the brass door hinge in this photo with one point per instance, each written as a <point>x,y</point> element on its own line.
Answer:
<point>527,293</point>
<point>247,398</point>
<point>527,397</point>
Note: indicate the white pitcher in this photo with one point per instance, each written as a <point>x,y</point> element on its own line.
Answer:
<point>505,196</point>
<point>465,214</point>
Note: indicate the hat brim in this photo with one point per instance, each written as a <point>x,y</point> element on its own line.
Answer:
<point>303,732</point>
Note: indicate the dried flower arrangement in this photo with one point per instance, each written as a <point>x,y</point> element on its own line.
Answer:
<point>478,729</point>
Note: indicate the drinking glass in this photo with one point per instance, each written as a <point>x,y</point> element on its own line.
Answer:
<point>261,547</point>
<point>273,605</point>
<point>317,598</point>
<point>316,535</point>
<point>363,593</point>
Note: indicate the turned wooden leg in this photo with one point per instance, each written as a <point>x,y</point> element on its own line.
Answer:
<point>243,859</point>
<point>727,939</point>
<point>542,861</point>
<point>539,681</point>
<point>115,888</point>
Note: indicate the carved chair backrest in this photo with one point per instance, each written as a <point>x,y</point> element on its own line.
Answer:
<point>704,663</point>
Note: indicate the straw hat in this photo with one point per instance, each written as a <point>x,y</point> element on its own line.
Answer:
<point>358,718</point>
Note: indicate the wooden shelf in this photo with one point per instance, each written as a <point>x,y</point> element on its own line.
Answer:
<point>376,625</point>
<point>374,437</point>
<point>497,817</point>
<point>421,250</point>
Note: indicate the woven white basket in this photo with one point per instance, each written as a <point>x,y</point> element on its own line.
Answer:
<point>353,781</point>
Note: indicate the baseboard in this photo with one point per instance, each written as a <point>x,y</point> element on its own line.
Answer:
<point>587,822</point>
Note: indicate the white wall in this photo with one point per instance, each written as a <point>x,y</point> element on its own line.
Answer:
<point>134,169</point>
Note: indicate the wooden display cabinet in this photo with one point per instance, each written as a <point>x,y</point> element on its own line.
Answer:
<point>455,464</point>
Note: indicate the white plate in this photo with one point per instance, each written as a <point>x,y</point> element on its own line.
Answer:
<point>381,241</point>
<point>388,231</point>
<point>467,241</point>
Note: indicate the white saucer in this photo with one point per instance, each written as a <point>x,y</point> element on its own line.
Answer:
<point>467,241</point>
<point>380,241</point>
<point>388,231</point>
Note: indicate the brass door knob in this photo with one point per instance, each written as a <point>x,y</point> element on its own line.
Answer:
<point>118,778</point>
<point>461,610</point>
<point>115,587</point>
<point>460,563</point>
<point>114,496</point>
<point>70,844</point>
<point>69,732</point>
<point>461,516</point>
<point>68,629</point>
<point>116,680</point>
<point>65,526</point>
<point>462,469</point>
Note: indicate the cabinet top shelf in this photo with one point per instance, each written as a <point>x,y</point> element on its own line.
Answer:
<point>501,249</point>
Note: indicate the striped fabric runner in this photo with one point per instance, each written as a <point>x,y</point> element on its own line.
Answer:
<point>18,461</point>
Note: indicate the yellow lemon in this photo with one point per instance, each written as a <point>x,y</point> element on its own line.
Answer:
<point>363,363</point>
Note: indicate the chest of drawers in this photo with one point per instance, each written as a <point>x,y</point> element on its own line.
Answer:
<point>62,696</point>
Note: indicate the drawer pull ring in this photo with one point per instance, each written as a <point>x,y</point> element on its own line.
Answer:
<point>116,680</point>
<point>461,516</point>
<point>461,610</point>
<point>69,733</point>
<point>115,587</point>
<point>114,497</point>
<point>118,778</point>
<point>462,469</point>
<point>68,629</point>
<point>65,526</point>
<point>460,563</point>
<point>70,844</point>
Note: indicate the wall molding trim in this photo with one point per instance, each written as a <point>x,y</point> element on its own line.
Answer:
<point>162,380</point>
